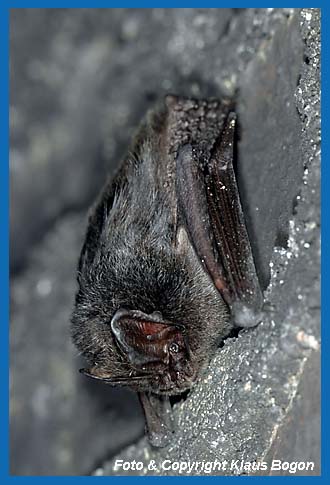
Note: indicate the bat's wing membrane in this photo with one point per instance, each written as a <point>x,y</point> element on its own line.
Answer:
<point>210,205</point>
<point>159,426</point>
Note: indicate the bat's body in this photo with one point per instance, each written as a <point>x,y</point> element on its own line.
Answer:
<point>166,268</point>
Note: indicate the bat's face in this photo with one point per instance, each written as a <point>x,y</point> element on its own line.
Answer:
<point>156,352</point>
<point>159,349</point>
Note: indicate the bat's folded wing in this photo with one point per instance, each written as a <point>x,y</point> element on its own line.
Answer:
<point>211,210</point>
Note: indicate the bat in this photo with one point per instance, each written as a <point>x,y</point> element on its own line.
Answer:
<point>166,269</point>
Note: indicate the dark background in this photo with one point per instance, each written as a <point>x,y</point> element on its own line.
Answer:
<point>80,82</point>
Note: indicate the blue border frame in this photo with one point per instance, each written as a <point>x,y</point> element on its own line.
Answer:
<point>4,211</point>
<point>4,239</point>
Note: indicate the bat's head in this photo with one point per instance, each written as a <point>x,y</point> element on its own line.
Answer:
<point>156,353</point>
<point>146,315</point>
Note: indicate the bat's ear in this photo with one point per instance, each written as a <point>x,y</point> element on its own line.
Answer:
<point>147,339</point>
<point>114,380</point>
<point>96,373</point>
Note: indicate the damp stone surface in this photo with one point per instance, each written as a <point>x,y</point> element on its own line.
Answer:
<point>81,80</point>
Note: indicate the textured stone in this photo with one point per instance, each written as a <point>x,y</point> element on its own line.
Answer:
<point>80,82</point>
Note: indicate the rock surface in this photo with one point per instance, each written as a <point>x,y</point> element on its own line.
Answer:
<point>80,82</point>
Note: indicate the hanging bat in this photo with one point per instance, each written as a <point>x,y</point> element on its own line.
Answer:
<point>166,269</point>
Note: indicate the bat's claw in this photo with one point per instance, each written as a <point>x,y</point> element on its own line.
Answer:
<point>245,316</point>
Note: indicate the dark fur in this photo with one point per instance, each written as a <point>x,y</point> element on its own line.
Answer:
<point>137,254</point>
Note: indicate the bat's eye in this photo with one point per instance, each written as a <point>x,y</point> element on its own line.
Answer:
<point>174,348</point>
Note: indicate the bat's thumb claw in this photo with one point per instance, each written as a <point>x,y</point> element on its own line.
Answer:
<point>245,316</point>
